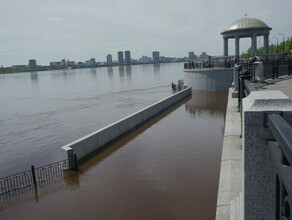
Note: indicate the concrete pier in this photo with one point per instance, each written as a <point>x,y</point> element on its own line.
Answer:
<point>218,79</point>
<point>92,142</point>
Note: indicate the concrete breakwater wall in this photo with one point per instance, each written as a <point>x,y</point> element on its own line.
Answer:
<point>219,79</point>
<point>92,142</point>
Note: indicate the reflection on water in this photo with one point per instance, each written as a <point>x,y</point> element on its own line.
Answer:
<point>166,169</point>
<point>129,70</point>
<point>93,71</point>
<point>206,100</point>
<point>122,71</point>
<point>110,72</point>
<point>34,77</point>
<point>156,68</point>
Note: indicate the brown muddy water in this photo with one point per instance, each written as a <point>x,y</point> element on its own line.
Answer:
<point>42,111</point>
<point>166,169</point>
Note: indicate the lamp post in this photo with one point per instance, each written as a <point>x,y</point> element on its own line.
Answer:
<point>272,46</point>
<point>277,43</point>
<point>289,44</point>
<point>283,41</point>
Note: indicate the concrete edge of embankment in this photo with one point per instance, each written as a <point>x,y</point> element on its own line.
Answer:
<point>96,140</point>
<point>230,181</point>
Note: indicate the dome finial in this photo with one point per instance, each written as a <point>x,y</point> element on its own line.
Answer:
<point>245,15</point>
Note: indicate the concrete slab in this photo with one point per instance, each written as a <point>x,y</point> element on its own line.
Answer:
<point>283,84</point>
<point>222,212</point>
<point>232,148</point>
<point>230,182</point>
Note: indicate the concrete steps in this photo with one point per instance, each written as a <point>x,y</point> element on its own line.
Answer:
<point>236,208</point>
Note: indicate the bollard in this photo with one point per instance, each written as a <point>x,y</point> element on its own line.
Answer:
<point>33,175</point>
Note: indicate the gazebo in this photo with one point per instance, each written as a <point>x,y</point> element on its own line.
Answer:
<point>243,28</point>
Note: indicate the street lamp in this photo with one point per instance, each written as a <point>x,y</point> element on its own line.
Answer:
<point>283,41</point>
<point>272,46</point>
<point>277,43</point>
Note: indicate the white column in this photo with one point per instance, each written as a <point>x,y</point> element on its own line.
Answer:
<point>237,47</point>
<point>225,46</point>
<point>253,44</point>
<point>266,44</point>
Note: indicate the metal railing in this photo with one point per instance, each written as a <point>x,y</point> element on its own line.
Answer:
<point>281,152</point>
<point>244,89</point>
<point>214,62</point>
<point>34,176</point>
<point>271,68</point>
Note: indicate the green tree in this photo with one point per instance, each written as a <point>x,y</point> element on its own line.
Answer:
<point>272,48</point>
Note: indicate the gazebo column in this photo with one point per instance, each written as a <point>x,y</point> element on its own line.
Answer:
<point>237,47</point>
<point>225,39</point>
<point>253,44</point>
<point>266,44</point>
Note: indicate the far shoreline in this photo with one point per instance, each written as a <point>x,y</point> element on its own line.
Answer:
<point>11,70</point>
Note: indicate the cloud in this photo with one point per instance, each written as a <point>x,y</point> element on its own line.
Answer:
<point>55,19</point>
<point>78,29</point>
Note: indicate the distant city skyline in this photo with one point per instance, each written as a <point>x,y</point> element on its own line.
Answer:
<point>32,63</point>
<point>51,30</point>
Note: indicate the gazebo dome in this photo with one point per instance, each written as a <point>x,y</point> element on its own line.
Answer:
<point>245,28</point>
<point>246,23</point>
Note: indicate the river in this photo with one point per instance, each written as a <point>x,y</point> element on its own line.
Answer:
<point>166,169</point>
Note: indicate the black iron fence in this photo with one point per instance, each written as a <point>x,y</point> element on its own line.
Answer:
<point>281,151</point>
<point>213,62</point>
<point>271,68</point>
<point>34,176</point>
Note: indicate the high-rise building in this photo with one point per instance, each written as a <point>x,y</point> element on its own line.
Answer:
<point>120,57</point>
<point>91,62</point>
<point>63,62</point>
<point>127,57</point>
<point>32,64</point>
<point>191,55</point>
<point>155,56</point>
<point>109,59</point>
<point>204,56</point>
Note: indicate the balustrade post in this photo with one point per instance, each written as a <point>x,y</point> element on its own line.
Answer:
<point>33,175</point>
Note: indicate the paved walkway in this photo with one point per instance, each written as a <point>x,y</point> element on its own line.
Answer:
<point>283,84</point>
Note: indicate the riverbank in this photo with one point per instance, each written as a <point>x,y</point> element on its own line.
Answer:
<point>7,70</point>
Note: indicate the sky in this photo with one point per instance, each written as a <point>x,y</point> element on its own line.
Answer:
<point>51,30</point>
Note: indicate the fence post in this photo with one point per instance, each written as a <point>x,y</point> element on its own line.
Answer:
<point>273,70</point>
<point>289,67</point>
<point>33,175</point>
<point>278,68</point>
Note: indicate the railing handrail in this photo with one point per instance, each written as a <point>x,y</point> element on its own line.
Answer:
<point>282,132</point>
<point>20,173</point>
<point>37,175</point>
<point>249,86</point>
